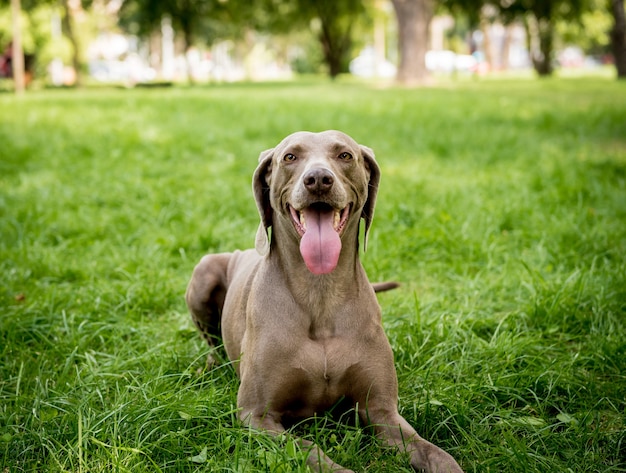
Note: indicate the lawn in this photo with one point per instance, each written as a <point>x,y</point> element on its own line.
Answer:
<point>502,211</point>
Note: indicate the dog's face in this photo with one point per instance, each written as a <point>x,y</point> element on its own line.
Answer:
<point>316,186</point>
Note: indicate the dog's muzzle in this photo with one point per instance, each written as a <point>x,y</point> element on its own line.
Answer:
<point>320,227</point>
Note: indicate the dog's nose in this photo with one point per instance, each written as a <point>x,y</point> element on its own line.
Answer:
<point>319,180</point>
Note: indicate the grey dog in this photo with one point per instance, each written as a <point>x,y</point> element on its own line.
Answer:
<point>298,316</point>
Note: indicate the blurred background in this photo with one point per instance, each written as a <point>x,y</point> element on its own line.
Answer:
<point>131,42</point>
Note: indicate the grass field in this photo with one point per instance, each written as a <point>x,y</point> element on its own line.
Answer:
<point>502,210</point>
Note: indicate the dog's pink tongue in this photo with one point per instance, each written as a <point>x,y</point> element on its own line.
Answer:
<point>320,245</point>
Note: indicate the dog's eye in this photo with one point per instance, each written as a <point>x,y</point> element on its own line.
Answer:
<point>290,158</point>
<point>345,156</point>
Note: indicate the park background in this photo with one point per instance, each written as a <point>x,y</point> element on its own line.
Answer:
<point>132,42</point>
<point>502,213</point>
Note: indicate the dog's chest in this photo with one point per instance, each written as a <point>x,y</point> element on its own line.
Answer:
<point>326,357</point>
<point>318,375</point>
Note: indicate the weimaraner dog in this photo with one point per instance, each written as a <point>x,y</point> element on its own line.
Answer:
<point>298,316</point>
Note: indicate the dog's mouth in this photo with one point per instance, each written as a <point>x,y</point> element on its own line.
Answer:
<point>320,227</point>
<point>317,213</point>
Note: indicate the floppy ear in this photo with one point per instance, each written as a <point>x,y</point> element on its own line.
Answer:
<point>372,189</point>
<point>261,189</point>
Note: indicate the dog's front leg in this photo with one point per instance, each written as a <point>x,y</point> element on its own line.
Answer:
<point>396,431</point>
<point>316,458</point>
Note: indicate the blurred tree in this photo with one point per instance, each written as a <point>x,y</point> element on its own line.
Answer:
<point>17,53</point>
<point>414,17</point>
<point>70,8</point>
<point>197,20</point>
<point>590,31</point>
<point>331,21</point>
<point>12,56</point>
<point>539,18</point>
<point>618,37</point>
<point>190,17</point>
<point>336,21</point>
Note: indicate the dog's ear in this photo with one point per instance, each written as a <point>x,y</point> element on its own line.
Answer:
<point>261,189</point>
<point>372,189</point>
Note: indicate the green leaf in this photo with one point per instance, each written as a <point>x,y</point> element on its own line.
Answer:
<point>290,448</point>
<point>566,418</point>
<point>530,421</point>
<point>201,457</point>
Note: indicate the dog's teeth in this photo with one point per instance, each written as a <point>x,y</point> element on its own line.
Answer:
<point>336,219</point>
<point>302,222</point>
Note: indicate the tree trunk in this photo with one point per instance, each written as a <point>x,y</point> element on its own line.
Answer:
<point>485,28</point>
<point>68,26</point>
<point>618,37</point>
<point>414,17</point>
<point>335,35</point>
<point>17,53</point>
<point>543,62</point>
<point>335,45</point>
<point>540,38</point>
<point>506,48</point>
<point>188,43</point>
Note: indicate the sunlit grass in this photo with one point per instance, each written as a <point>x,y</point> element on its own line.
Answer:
<point>502,211</point>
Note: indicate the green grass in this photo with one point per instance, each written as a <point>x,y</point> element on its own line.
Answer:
<point>502,210</point>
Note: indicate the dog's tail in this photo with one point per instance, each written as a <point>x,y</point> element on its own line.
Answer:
<point>385,286</point>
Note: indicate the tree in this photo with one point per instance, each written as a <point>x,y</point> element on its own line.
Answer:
<point>414,17</point>
<point>332,23</point>
<point>188,16</point>
<point>16,60</point>
<point>335,33</point>
<point>192,18</point>
<point>68,8</point>
<point>540,18</point>
<point>618,37</point>
<point>69,29</point>
<point>17,53</point>
<point>589,32</point>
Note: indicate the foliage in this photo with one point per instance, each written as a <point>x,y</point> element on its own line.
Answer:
<point>198,21</point>
<point>207,20</point>
<point>35,28</point>
<point>470,9</point>
<point>38,39</point>
<point>331,22</point>
<point>590,31</point>
<point>336,32</point>
<point>306,54</point>
<point>540,18</point>
<point>501,211</point>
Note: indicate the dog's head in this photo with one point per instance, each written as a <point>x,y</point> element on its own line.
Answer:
<point>317,187</point>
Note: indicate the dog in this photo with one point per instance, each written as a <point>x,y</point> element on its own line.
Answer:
<point>298,316</point>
